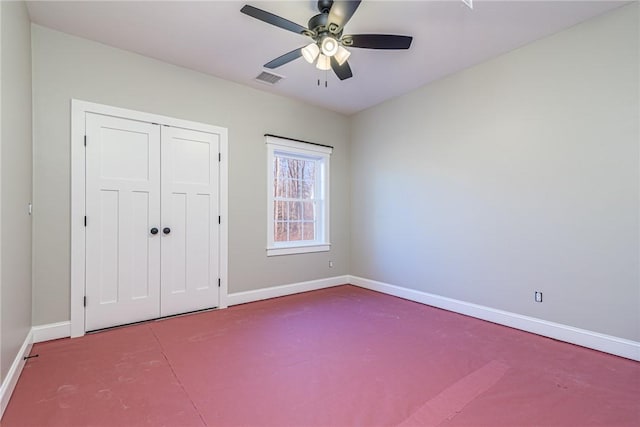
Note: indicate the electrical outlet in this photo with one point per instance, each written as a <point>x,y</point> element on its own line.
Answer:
<point>330,264</point>
<point>538,296</point>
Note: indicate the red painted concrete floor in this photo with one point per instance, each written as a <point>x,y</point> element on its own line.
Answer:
<point>342,356</point>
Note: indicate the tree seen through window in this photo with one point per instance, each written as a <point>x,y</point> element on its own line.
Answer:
<point>294,199</point>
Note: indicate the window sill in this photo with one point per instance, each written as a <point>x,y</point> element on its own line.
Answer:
<point>302,249</point>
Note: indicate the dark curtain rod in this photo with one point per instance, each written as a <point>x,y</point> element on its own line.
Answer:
<point>299,140</point>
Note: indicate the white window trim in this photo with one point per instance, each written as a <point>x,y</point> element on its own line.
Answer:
<point>275,144</point>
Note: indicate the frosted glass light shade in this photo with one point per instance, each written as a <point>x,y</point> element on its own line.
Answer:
<point>324,62</point>
<point>329,46</point>
<point>310,52</point>
<point>342,55</point>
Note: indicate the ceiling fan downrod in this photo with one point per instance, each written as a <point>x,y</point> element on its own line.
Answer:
<point>324,6</point>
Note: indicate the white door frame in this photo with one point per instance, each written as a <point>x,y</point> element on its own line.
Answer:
<point>78,113</point>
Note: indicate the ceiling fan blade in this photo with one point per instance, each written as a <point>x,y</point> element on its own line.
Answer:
<point>340,13</point>
<point>377,41</point>
<point>272,19</point>
<point>342,71</point>
<point>284,59</point>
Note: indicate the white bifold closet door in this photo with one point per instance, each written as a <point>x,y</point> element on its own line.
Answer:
<point>152,221</point>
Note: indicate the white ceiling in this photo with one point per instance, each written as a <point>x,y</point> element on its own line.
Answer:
<point>215,38</point>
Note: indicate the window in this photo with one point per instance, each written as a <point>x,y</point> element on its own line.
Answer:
<point>298,202</point>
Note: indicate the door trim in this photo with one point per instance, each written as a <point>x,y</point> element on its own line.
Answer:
<point>78,112</point>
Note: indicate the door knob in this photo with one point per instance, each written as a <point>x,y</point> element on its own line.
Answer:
<point>166,230</point>
<point>154,231</point>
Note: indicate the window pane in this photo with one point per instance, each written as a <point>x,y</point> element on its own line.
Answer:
<point>283,166</point>
<point>280,211</point>
<point>280,232</point>
<point>293,168</point>
<point>295,211</point>
<point>308,189</point>
<point>308,231</point>
<point>309,171</point>
<point>278,187</point>
<point>294,189</point>
<point>279,173</point>
<point>295,232</point>
<point>308,211</point>
<point>282,188</point>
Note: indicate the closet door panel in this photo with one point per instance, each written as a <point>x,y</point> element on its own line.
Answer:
<point>122,282</point>
<point>190,174</point>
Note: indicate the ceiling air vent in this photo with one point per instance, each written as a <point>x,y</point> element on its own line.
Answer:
<point>269,78</point>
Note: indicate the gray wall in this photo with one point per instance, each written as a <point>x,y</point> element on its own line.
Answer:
<point>516,175</point>
<point>15,188</point>
<point>66,67</point>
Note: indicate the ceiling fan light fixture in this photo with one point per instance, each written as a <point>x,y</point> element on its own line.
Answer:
<point>310,52</point>
<point>329,46</point>
<point>326,31</point>
<point>324,62</point>
<point>342,55</point>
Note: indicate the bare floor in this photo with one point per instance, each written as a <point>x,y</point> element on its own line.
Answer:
<point>336,357</point>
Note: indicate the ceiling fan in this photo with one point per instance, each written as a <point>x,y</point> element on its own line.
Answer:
<point>328,48</point>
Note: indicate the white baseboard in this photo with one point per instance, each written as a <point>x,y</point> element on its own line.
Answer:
<point>10,381</point>
<point>51,331</point>
<point>582,337</point>
<point>280,291</point>
<point>595,340</point>
<point>37,334</point>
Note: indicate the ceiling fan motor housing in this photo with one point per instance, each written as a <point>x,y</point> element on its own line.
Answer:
<point>318,23</point>
<point>319,26</point>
